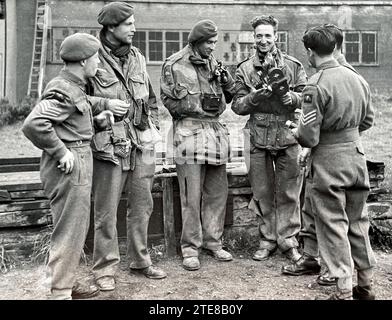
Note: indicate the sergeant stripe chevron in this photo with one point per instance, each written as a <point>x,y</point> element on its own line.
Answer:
<point>308,118</point>
<point>49,109</point>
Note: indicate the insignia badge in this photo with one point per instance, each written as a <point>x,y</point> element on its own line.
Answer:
<point>308,98</point>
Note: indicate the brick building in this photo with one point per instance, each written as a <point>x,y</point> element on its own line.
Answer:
<point>163,26</point>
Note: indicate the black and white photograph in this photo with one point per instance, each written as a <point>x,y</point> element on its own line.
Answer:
<point>212,153</point>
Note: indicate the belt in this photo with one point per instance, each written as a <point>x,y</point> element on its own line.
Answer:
<point>339,136</point>
<point>76,144</point>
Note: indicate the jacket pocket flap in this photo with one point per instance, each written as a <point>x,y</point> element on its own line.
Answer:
<point>105,79</point>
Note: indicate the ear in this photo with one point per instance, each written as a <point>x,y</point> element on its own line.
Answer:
<point>111,28</point>
<point>83,62</point>
<point>276,36</point>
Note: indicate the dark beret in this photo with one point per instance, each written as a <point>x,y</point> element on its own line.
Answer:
<point>202,31</point>
<point>79,46</point>
<point>114,13</point>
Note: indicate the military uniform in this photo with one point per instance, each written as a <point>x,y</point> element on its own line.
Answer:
<point>128,81</point>
<point>271,155</point>
<point>200,146</point>
<point>308,229</point>
<point>63,120</point>
<point>336,107</point>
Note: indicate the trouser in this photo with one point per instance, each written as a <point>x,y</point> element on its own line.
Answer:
<point>69,196</point>
<point>203,193</point>
<point>308,229</point>
<point>276,184</point>
<point>108,183</point>
<point>340,186</point>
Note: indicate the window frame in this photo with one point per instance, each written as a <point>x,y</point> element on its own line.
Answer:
<point>360,44</point>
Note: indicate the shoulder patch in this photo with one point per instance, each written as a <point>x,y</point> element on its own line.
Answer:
<point>308,98</point>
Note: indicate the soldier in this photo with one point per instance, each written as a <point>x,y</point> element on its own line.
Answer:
<point>272,168</point>
<point>308,264</point>
<point>336,108</point>
<point>61,125</point>
<point>124,153</point>
<point>195,88</point>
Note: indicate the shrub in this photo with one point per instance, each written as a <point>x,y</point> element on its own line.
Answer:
<point>10,114</point>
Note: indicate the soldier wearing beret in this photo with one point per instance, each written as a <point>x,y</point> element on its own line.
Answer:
<point>195,88</point>
<point>124,152</point>
<point>61,124</point>
<point>272,159</point>
<point>336,109</point>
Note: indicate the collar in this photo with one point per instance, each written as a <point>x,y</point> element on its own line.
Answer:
<point>328,64</point>
<point>81,83</point>
<point>341,59</point>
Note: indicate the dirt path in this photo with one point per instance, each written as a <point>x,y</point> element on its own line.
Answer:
<point>241,279</point>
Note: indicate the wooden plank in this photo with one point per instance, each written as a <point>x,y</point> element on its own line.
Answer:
<point>168,217</point>
<point>5,195</point>
<point>28,160</point>
<point>25,218</point>
<point>24,205</point>
<point>22,187</point>
<point>27,194</point>
<point>19,167</point>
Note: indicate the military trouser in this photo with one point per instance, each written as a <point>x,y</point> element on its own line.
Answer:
<point>276,184</point>
<point>308,229</point>
<point>108,183</point>
<point>70,198</point>
<point>340,186</point>
<point>203,192</point>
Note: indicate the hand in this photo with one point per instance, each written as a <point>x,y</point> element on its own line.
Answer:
<point>103,118</point>
<point>286,99</point>
<point>304,156</point>
<point>66,163</point>
<point>261,94</point>
<point>118,107</point>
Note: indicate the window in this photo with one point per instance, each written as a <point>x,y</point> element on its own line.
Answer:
<point>56,37</point>
<point>360,47</point>
<point>159,45</point>
<point>156,46</point>
<point>282,42</point>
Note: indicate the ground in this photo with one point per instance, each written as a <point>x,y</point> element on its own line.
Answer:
<point>241,279</point>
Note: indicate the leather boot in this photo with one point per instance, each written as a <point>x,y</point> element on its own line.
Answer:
<point>305,265</point>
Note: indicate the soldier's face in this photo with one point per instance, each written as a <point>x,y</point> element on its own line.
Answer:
<point>125,31</point>
<point>265,37</point>
<point>91,65</point>
<point>311,60</point>
<point>205,48</point>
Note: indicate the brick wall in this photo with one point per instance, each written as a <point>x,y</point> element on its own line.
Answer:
<point>233,18</point>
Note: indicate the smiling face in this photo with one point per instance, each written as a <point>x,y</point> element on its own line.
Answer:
<point>265,37</point>
<point>124,32</point>
<point>205,48</point>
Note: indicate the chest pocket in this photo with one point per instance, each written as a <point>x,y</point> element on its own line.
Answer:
<point>261,120</point>
<point>108,85</point>
<point>83,115</point>
<point>139,85</point>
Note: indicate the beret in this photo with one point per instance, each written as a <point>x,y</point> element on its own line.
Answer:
<point>202,30</point>
<point>78,46</point>
<point>114,13</point>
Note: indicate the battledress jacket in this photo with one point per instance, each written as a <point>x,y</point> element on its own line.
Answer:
<point>267,118</point>
<point>64,115</point>
<point>196,135</point>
